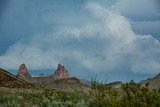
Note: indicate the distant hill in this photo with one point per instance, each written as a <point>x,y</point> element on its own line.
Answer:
<point>154,83</point>
<point>85,82</point>
<point>116,84</point>
<point>11,81</point>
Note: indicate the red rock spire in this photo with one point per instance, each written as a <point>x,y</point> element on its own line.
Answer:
<point>23,72</point>
<point>61,72</point>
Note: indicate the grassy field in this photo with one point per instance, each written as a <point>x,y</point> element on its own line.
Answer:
<point>99,95</point>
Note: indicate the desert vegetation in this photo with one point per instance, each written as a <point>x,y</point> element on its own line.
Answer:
<point>100,95</point>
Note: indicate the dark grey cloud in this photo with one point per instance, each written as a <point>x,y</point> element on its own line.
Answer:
<point>3,4</point>
<point>157,2</point>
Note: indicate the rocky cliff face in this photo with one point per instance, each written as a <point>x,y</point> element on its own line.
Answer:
<point>60,73</point>
<point>23,73</point>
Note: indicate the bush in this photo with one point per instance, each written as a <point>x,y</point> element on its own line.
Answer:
<point>100,95</point>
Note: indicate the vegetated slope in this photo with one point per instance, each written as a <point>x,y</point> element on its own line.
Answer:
<point>68,84</point>
<point>154,83</point>
<point>11,81</point>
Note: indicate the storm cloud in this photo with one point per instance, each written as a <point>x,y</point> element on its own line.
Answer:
<point>104,42</point>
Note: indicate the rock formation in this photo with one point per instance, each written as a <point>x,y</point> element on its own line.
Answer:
<point>23,73</point>
<point>62,80</point>
<point>60,73</point>
<point>59,78</point>
<point>38,79</point>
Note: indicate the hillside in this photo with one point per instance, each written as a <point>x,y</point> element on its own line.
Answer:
<point>11,81</point>
<point>154,83</point>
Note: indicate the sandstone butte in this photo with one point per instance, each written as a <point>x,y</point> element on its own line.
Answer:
<point>60,73</point>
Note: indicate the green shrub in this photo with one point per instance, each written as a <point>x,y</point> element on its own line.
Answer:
<point>100,95</point>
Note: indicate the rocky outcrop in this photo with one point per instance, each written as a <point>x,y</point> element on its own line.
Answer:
<point>62,80</point>
<point>38,79</point>
<point>23,73</point>
<point>59,78</point>
<point>60,73</point>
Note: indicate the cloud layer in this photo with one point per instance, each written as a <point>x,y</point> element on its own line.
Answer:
<point>105,42</point>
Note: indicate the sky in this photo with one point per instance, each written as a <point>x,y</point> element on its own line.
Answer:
<point>115,40</point>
